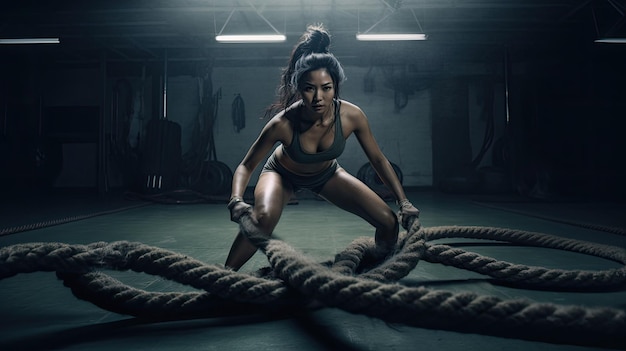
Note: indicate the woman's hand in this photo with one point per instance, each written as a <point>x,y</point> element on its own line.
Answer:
<point>408,214</point>
<point>238,208</point>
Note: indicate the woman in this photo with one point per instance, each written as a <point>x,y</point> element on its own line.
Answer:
<point>312,127</point>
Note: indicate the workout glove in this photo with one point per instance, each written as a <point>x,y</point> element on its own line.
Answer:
<point>408,214</point>
<point>238,208</point>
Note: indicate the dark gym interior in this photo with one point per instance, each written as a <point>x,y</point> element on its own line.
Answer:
<point>507,121</point>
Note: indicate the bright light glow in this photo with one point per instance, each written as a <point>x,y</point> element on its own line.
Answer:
<point>612,40</point>
<point>384,37</point>
<point>30,41</point>
<point>252,38</point>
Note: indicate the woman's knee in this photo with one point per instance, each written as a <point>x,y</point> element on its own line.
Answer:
<point>387,230</point>
<point>265,218</point>
<point>270,196</point>
<point>388,221</point>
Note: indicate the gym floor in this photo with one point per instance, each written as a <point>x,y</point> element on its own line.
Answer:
<point>39,313</point>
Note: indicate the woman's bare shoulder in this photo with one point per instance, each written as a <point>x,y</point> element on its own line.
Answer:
<point>351,110</point>
<point>281,119</point>
<point>280,126</point>
<point>350,106</point>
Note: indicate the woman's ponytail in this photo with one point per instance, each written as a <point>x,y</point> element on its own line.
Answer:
<point>315,40</point>
<point>318,40</point>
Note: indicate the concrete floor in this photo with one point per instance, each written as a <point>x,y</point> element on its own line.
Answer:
<point>39,313</point>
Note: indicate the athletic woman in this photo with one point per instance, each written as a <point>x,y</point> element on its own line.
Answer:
<point>311,127</point>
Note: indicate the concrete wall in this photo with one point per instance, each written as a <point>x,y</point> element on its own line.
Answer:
<point>405,134</point>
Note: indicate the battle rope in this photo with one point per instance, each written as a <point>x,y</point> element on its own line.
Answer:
<point>359,280</point>
<point>59,221</point>
<point>586,225</point>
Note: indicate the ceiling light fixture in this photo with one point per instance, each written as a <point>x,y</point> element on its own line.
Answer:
<point>611,41</point>
<point>30,41</point>
<point>367,36</point>
<point>606,40</point>
<point>384,37</point>
<point>250,38</point>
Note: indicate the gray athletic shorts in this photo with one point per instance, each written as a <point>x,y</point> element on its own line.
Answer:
<point>315,183</point>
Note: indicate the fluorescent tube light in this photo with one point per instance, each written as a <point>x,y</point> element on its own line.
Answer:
<point>252,38</point>
<point>612,40</point>
<point>30,41</point>
<point>385,37</point>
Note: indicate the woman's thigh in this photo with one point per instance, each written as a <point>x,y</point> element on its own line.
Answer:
<point>271,193</point>
<point>349,193</point>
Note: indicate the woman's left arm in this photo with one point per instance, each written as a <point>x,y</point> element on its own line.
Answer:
<point>379,162</point>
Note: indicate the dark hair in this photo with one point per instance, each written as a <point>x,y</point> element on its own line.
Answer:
<point>310,53</point>
<point>314,61</point>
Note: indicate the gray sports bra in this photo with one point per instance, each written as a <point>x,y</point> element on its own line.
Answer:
<point>295,152</point>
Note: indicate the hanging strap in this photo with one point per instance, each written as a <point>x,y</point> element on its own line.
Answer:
<point>238,113</point>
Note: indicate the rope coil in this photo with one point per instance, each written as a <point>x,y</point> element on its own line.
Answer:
<point>359,280</point>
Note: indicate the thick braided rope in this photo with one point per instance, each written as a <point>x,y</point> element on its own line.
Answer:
<point>363,255</point>
<point>464,311</point>
<point>53,222</point>
<point>112,295</point>
<point>423,307</point>
<point>529,276</point>
<point>335,285</point>
<point>414,246</point>
<point>434,308</point>
<point>122,255</point>
<point>586,225</point>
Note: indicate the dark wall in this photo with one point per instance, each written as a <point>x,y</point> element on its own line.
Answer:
<point>565,136</point>
<point>568,124</point>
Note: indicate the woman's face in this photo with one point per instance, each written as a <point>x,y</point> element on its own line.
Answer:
<point>318,91</point>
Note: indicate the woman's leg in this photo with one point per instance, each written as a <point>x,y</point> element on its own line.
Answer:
<point>270,196</point>
<point>352,195</point>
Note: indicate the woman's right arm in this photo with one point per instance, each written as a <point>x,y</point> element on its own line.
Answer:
<point>271,133</point>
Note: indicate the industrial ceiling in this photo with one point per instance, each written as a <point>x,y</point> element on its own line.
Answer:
<point>184,30</point>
